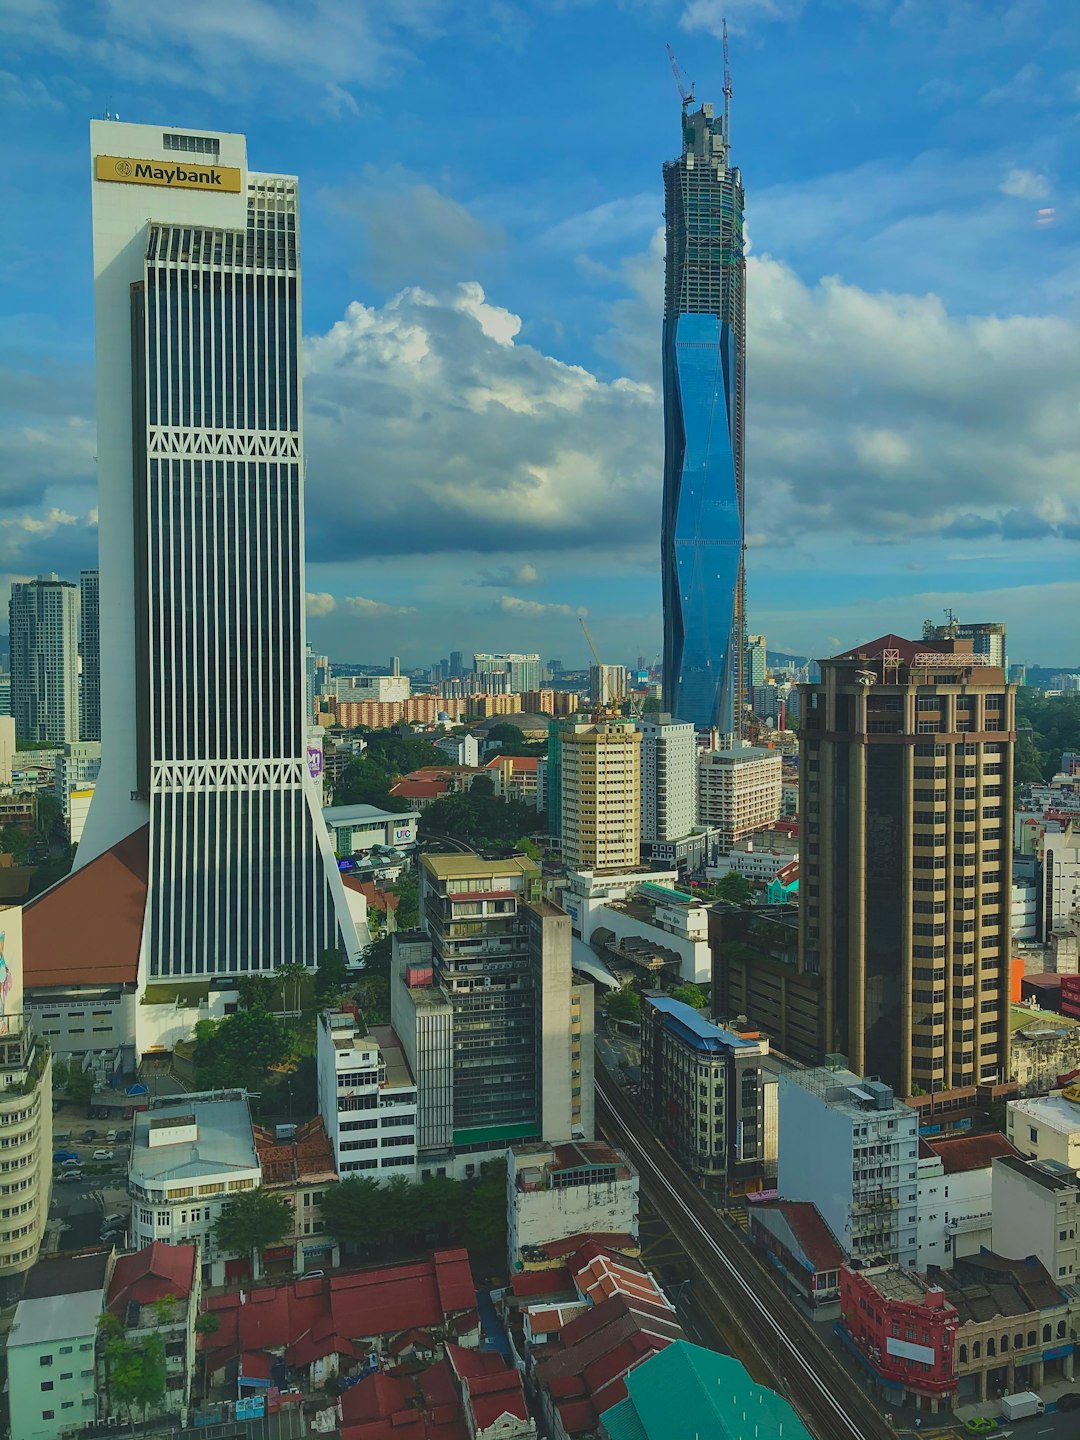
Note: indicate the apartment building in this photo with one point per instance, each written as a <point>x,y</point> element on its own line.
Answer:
<point>367,1097</point>
<point>600,795</point>
<point>739,791</point>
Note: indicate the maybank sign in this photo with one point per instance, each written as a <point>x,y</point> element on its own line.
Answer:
<point>225,178</point>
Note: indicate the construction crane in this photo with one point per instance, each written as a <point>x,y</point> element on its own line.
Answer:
<point>599,709</point>
<point>687,96</point>
<point>727,89</point>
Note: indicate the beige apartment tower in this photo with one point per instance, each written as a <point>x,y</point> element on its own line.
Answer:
<point>905,801</point>
<point>601,795</point>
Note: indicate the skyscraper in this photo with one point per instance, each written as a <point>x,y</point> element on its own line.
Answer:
<point>600,795</point>
<point>704,348</point>
<point>201,456</point>
<point>90,653</point>
<point>43,626</point>
<point>905,803</point>
<point>755,662</point>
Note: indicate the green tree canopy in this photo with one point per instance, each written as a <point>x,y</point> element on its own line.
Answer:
<point>505,734</point>
<point>332,974</point>
<point>624,1004</point>
<point>479,817</point>
<point>79,1086</point>
<point>256,992</point>
<point>690,994</point>
<point>407,888</point>
<point>733,888</point>
<point>1055,728</point>
<point>403,1217</point>
<point>240,1050</point>
<point>367,778</point>
<point>251,1222</point>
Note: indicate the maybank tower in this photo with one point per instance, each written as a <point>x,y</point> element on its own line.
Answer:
<point>208,787</point>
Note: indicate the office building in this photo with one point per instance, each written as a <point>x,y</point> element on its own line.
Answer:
<point>51,1348</point>
<point>704,370</point>
<point>367,1097</point>
<point>43,629</point>
<point>709,1094</point>
<point>522,672</point>
<point>379,689</point>
<point>609,685</point>
<point>739,791</point>
<point>988,638</point>
<point>756,972</point>
<point>850,1147</point>
<point>493,1023</point>
<point>600,795</point>
<point>90,656</point>
<point>25,1115</point>
<point>5,692</point>
<point>668,779</point>
<point>905,805</point>
<point>756,661</point>
<point>77,766</point>
<point>202,559</point>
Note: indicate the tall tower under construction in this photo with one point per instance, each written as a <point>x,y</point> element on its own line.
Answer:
<point>704,367</point>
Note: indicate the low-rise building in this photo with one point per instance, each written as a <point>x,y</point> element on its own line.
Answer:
<point>298,1165</point>
<point>796,1240</point>
<point>367,1097</point>
<point>586,892</point>
<point>1045,1128</point>
<point>514,776</point>
<point>851,1148</point>
<point>1036,1205</point>
<point>707,1092</point>
<point>156,1291</point>
<point>190,1155</point>
<point>460,749</point>
<point>52,1385</point>
<point>955,1197</point>
<point>555,1192</point>
<point>903,1328</point>
<point>357,829</point>
<point>759,858</point>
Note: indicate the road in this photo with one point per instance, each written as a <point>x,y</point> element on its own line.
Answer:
<point>831,1403</point>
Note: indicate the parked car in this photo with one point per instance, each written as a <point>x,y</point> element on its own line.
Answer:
<point>113,1135</point>
<point>980,1425</point>
<point>69,1177</point>
<point>1069,1401</point>
<point>63,1157</point>
<point>103,1154</point>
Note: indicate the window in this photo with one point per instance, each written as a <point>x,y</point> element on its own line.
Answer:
<point>45,1359</point>
<point>66,1349</point>
<point>46,1384</point>
<point>48,1414</point>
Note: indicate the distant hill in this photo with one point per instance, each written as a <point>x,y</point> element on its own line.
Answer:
<point>780,657</point>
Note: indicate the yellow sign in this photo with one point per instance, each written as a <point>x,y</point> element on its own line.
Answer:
<point>176,174</point>
<point>1072,1092</point>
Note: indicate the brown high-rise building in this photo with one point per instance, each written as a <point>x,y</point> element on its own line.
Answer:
<point>905,799</point>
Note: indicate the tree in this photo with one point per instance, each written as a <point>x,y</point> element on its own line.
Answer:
<point>79,1087</point>
<point>484,1210</point>
<point>407,889</point>
<point>135,1372</point>
<point>624,1004</point>
<point>332,974</point>
<point>528,847</point>
<point>14,843</point>
<point>250,1223</point>
<point>505,734</point>
<point>240,1050</point>
<point>289,979</point>
<point>690,994</point>
<point>256,992</point>
<point>734,888</point>
<point>353,1211</point>
<point>207,1325</point>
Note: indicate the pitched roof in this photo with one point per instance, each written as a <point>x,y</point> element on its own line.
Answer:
<point>420,789</point>
<point>151,1274</point>
<point>87,928</point>
<point>970,1152</point>
<point>810,1230</point>
<point>492,1387</point>
<point>530,1283</point>
<point>873,649</point>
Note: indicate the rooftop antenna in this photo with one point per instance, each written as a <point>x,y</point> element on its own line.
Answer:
<point>686,95</point>
<point>727,87</point>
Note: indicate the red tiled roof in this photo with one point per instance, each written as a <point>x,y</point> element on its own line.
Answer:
<point>578,1416</point>
<point>519,764</point>
<point>152,1274</point>
<point>381,900</point>
<point>872,649</point>
<point>419,789</point>
<point>530,1283</point>
<point>87,928</point>
<point>587,1247</point>
<point>255,1365</point>
<point>970,1152</point>
<point>493,1387</point>
<point>815,1237</point>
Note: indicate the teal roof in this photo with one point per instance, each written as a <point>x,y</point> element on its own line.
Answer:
<point>686,1390</point>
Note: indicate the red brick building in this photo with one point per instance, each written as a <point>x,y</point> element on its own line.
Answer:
<point>904,1331</point>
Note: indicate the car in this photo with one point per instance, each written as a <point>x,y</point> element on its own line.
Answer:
<point>313,1275</point>
<point>89,1134</point>
<point>64,1157</point>
<point>103,1154</point>
<point>980,1425</point>
<point>1069,1401</point>
<point>68,1177</point>
<point>113,1135</point>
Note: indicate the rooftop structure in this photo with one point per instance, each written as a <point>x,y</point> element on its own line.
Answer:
<point>563,1192</point>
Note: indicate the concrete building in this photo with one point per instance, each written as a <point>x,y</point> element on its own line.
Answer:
<point>586,893</point>
<point>5,692</point>
<point>1046,1128</point>
<point>904,1329</point>
<point>367,1098</point>
<point>708,1093</point>
<point>739,791</point>
<point>758,858</point>
<point>905,885</point>
<point>460,749</point>
<point>191,1154</point>
<point>377,689</point>
<point>600,795</point>
<point>655,922</point>
<point>203,683</point>
<point>1036,1211</point>
<point>156,1291</point>
<point>522,672</point>
<point>609,685</point>
<point>52,1377</point>
<point>556,1192</point>
<point>496,1027</point>
<point>25,1116</point>
<point>795,1239</point>
<point>955,1197</point>
<point>987,637</point>
<point>7,748</point>
<point>43,630</point>
<point>668,779</point>
<point>850,1148</point>
<point>756,972</point>
<point>298,1167</point>
<point>90,656</point>
<point>756,661</point>
<point>356,828</point>
<point>77,766</point>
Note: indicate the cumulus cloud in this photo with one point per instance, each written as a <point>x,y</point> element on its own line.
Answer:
<point>361,605</point>
<point>320,603</point>
<point>709,15</point>
<point>533,609</point>
<point>507,575</point>
<point>1025,185</point>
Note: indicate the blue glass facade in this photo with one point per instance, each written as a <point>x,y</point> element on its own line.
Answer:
<point>703,371</point>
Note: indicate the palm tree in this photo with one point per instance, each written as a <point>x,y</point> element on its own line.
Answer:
<point>293,975</point>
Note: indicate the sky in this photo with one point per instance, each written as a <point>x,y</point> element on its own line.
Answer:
<point>481,212</point>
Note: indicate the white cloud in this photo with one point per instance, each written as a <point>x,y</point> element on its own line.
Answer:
<point>320,603</point>
<point>507,575</point>
<point>533,609</point>
<point>1025,185</point>
<point>709,15</point>
<point>360,605</point>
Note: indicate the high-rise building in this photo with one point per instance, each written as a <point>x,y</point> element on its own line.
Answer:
<point>43,626</point>
<point>668,778</point>
<point>608,684</point>
<point>988,637</point>
<point>739,791</point>
<point>367,1097</point>
<point>5,692</point>
<point>704,350</point>
<point>455,665</point>
<point>90,654</point>
<point>494,1025</point>
<point>600,795</point>
<point>201,458</point>
<point>523,672</point>
<point>755,661</point>
<point>905,803</point>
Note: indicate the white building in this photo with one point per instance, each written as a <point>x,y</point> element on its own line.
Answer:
<point>608,684</point>
<point>204,730</point>
<point>739,791</point>
<point>1036,1207</point>
<point>354,828</point>
<point>668,778</point>
<point>1046,1128</point>
<point>77,765</point>
<point>851,1148</point>
<point>43,621</point>
<point>954,1218</point>
<point>367,1098</point>
<point>667,918</point>
<point>586,892</point>
<point>78,810</point>
<point>381,688</point>
<point>757,860</point>
<point>190,1155</point>
<point>460,749</point>
<point>7,747</point>
<point>555,1192</point>
<point>523,672</point>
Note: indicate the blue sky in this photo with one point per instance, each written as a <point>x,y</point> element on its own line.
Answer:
<point>481,208</point>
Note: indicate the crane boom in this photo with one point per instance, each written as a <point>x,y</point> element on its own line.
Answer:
<point>588,637</point>
<point>687,96</point>
<point>727,88</point>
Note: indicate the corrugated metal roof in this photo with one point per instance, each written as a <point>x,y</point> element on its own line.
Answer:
<point>700,1028</point>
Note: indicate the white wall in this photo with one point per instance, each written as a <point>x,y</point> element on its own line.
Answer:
<point>695,955</point>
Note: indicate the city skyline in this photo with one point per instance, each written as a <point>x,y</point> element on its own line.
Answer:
<point>904,414</point>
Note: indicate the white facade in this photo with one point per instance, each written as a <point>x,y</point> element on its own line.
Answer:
<point>523,672</point>
<point>954,1217</point>
<point>587,892</point>
<point>367,1099</point>
<point>608,684</point>
<point>380,688</point>
<point>460,749</point>
<point>739,791</point>
<point>78,808</point>
<point>76,765</point>
<point>7,747</point>
<point>668,778</point>
<point>759,862</point>
<point>1060,877</point>
<point>190,1155</point>
<point>1045,1129</point>
<point>682,928</point>
<point>556,1192</point>
<point>201,538</point>
<point>1024,913</point>
<point>856,1162</point>
<point>43,619</point>
<point>1037,1212</point>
